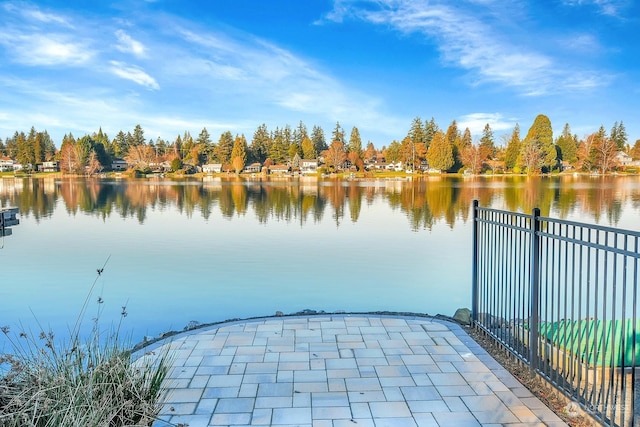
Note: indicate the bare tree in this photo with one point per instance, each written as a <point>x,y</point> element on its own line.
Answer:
<point>606,151</point>
<point>472,158</point>
<point>140,156</point>
<point>335,155</point>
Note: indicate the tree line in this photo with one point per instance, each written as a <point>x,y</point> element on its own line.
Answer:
<point>425,144</point>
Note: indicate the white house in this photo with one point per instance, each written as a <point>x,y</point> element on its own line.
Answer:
<point>118,164</point>
<point>623,159</point>
<point>279,169</point>
<point>308,165</point>
<point>6,164</point>
<point>253,168</point>
<point>50,167</point>
<point>212,168</point>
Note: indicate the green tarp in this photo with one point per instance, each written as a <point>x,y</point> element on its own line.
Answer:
<point>597,342</point>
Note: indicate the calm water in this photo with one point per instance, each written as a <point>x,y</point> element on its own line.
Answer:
<point>177,251</point>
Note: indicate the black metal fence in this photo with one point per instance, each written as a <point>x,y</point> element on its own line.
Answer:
<point>562,296</point>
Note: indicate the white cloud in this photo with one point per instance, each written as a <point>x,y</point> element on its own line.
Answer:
<point>129,45</point>
<point>134,74</point>
<point>477,121</point>
<point>605,7</point>
<point>470,43</point>
<point>31,13</point>
<point>45,49</point>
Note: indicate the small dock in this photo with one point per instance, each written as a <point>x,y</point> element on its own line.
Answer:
<point>8,219</point>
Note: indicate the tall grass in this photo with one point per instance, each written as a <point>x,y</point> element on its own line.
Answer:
<point>80,382</point>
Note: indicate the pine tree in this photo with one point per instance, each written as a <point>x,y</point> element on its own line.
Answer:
<point>487,143</point>
<point>541,133</point>
<point>430,129</point>
<point>417,132</point>
<point>138,136</point>
<point>513,148</point>
<point>440,154</point>
<point>355,143</point>
<point>239,153</point>
<point>567,147</point>
<point>619,136</point>
<point>260,144</point>
<point>338,133</point>
<point>224,148</point>
<point>278,150</point>
<point>308,150</point>
<point>317,137</point>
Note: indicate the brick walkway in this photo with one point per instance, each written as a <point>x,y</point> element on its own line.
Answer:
<point>341,370</point>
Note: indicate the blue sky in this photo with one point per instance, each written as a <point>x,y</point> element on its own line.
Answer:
<point>176,65</point>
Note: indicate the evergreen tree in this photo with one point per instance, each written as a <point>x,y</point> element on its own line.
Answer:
<point>417,132</point>
<point>287,138</point>
<point>635,150</point>
<point>138,136</point>
<point>204,138</point>
<point>392,153</point>
<point>239,153</point>
<point>11,146</point>
<point>452,133</point>
<point>430,129</point>
<point>338,133</point>
<point>308,150</point>
<point>161,147</point>
<point>454,140</point>
<point>49,146</point>
<point>278,150</point>
<point>619,136</point>
<point>355,143</point>
<point>440,154</point>
<point>317,137</point>
<point>260,144</point>
<point>187,147</point>
<point>300,133</point>
<point>542,133</point>
<point>513,148</point>
<point>224,148</point>
<point>205,148</point>
<point>567,147</point>
<point>466,138</point>
<point>177,149</point>
<point>294,150</point>
<point>119,145</point>
<point>24,154</point>
<point>487,143</point>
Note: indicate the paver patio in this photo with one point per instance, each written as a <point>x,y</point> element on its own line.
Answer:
<point>338,371</point>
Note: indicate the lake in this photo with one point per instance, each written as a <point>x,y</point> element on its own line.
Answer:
<point>207,250</point>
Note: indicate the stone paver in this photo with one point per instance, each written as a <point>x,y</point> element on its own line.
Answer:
<point>339,370</point>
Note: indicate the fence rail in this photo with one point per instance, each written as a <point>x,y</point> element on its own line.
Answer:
<point>562,297</point>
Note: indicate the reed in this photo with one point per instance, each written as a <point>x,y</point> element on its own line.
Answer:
<point>79,382</point>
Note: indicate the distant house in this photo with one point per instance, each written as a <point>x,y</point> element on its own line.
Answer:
<point>252,168</point>
<point>394,166</point>
<point>308,165</point>
<point>212,168</point>
<point>623,159</point>
<point>6,164</point>
<point>50,167</point>
<point>279,169</point>
<point>159,167</point>
<point>118,164</point>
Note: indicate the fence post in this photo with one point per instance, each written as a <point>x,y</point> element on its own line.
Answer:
<point>474,266</point>
<point>534,321</point>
